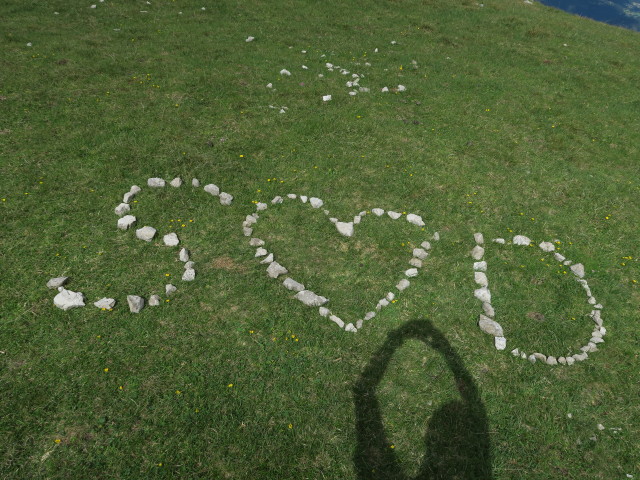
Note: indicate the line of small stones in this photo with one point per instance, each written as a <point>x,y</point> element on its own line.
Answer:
<point>308,297</point>
<point>488,324</point>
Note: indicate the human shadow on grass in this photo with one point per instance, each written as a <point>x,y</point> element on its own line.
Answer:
<point>456,440</point>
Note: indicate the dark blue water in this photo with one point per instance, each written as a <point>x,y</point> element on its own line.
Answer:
<point>623,13</point>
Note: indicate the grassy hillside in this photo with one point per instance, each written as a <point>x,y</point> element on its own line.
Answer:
<point>516,119</point>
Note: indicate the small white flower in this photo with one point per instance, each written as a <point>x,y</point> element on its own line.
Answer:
<point>326,98</point>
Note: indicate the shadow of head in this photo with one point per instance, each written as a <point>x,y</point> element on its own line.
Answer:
<point>456,439</point>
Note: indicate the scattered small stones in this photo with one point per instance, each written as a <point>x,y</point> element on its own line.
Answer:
<point>146,233</point>
<point>57,282</point>
<point>156,182</point>
<point>136,303</point>
<point>67,299</point>
<point>105,303</point>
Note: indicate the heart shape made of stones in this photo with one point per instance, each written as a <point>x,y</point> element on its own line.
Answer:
<point>312,299</point>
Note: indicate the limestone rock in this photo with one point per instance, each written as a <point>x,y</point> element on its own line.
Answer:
<point>304,198</point>
<point>541,357</point>
<point>189,275</point>
<point>267,259</point>
<point>154,300</point>
<point>291,284</point>
<point>377,211</point>
<point>57,282</point>
<point>256,242</point>
<point>247,232</point>
<point>134,190</point>
<point>547,247</point>
<point>345,228</point>
<point>128,197</point>
<point>420,253</point>
<point>551,360</point>
<point>488,309</point>
<point>477,253</point>
<point>479,238</point>
<point>570,360</point>
<point>480,266</point>
<point>311,299</point>
<point>146,233</point>
<point>426,245</point>
<point>316,202</point>
<point>261,206</point>
<point>578,270</point>
<point>125,222</point>
<point>390,296</point>
<point>274,270</point>
<point>412,272</point>
<point>261,252</point>
<point>394,215</point>
<point>249,220</point>
<point>135,302</point>
<point>500,343</point>
<point>559,257</point>
<point>403,284</point>
<point>175,183</point>
<point>415,219</point>
<point>500,241</point>
<point>350,328</point>
<point>66,299</point>
<point>292,196</point>
<point>189,264</point>
<point>490,327</point>
<point>277,200</point>
<point>106,303</point>
<point>156,182</point>
<point>481,279</point>
<point>562,360</point>
<point>521,240</point>
<point>483,294</point>
<point>515,352</point>
<point>212,189</point>
<point>324,312</point>
<point>337,320</point>
<point>225,198</point>
<point>184,255</point>
<point>122,209</point>
<point>383,302</point>
<point>195,182</point>
<point>171,239</point>
<point>169,289</point>
<point>436,237</point>
<point>357,219</point>
<point>415,262</point>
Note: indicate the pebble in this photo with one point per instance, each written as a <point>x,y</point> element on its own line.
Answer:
<point>479,238</point>
<point>415,220</point>
<point>57,282</point>
<point>316,202</point>
<point>488,310</point>
<point>189,275</point>
<point>106,303</point>
<point>125,222</point>
<point>311,299</point>
<point>521,240</point>
<point>578,270</point>
<point>67,299</point>
<point>532,358</point>
<point>146,233</point>
<point>212,189</point>
<point>547,247</point>
<point>274,270</point>
<point>551,360</point>
<point>350,328</point>
<point>559,257</point>
<point>500,343</point>
<point>562,360</point>
<point>122,209</point>
<point>156,182</point>
<point>345,228</point>
<point>261,206</point>
<point>483,294</point>
<point>420,253</point>
<point>291,284</point>
<point>225,198</point>
<point>500,241</point>
<point>184,255</point>
<point>515,352</point>
<point>415,262</point>
<point>382,303</point>
<point>256,242</point>
<point>480,266</point>
<point>292,196</point>
<point>176,182</point>
<point>247,232</point>
<point>403,284</point>
<point>481,279</point>
<point>326,98</point>
<point>369,315</point>
<point>154,300</point>
<point>490,327</point>
<point>261,252</point>
<point>477,253</point>
<point>134,190</point>
<point>357,219</point>
<point>337,320</point>
<point>394,215</point>
<point>377,211</point>
<point>304,198</point>
<point>286,72</point>
<point>570,360</point>
<point>277,200</point>
<point>135,302</point>
<point>189,264</point>
<point>390,296</point>
<point>324,311</point>
<point>171,239</point>
<point>195,182</point>
<point>267,259</point>
<point>540,356</point>
<point>426,245</point>
<point>169,289</point>
<point>412,272</point>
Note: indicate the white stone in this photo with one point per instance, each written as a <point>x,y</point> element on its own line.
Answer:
<point>286,72</point>
<point>345,228</point>
<point>515,352</point>
<point>189,275</point>
<point>551,360</point>
<point>479,238</point>
<point>500,241</point>
<point>359,324</point>
<point>195,182</point>
<point>261,252</point>
<point>267,259</point>
<point>436,237</point>
<point>176,182</point>
<point>394,215</point>
<point>385,89</point>
<point>592,300</point>
<point>169,289</point>
<point>247,232</point>
<point>324,311</point>
<point>156,182</point>
<point>490,326</point>
<point>578,270</point>
<point>420,253</point>
<point>249,39</point>
<point>122,209</point>
<point>269,85</point>
<point>426,245</point>
<point>326,98</point>
<point>225,198</point>
<point>135,302</point>
<point>390,296</point>
<point>128,197</point>
<point>547,247</point>
<point>57,282</point>
<point>171,239</point>
<point>412,272</point>
<point>304,198</point>
<point>562,360</point>
<point>401,88</point>
<point>500,343</point>
<point>477,253</point>
<point>350,328</point>
<point>256,242</point>
<point>125,222</point>
<point>481,279</point>
<point>480,266</point>
<point>357,219</point>
<point>66,299</point>
<point>337,320</point>
<point>415,262</point>
<point>277,200</point>
<point>154,301</point>
<point>333,220</point>
<point>184,255</point>
<point>596,340</point>
<point>559,257</point>
<point>146,233</point>
<point>316,202</point>
<point>488,309</point>
<point>311,299</point>
<point>292,196</point>
<point>291,284</point>
<point>383,303</point>
<point>403,284</point>
<point>106,303</point>
<point>567,262</point>
<point>541,357</point>
<point>212,189</point>
<point>189,264</point>
<point>369,315</point>
<point>483,294</point>
<point>377,211</point>
<point>532,358</point>
<point>135,189</point>
<point>415,220</point>
<point>570,360</point>
<point>274,270</point>
<point>521,240</point>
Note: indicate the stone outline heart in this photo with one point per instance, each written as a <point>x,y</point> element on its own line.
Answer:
<point>488,324</point>
<point>309,298</point>
<point>67,299</point>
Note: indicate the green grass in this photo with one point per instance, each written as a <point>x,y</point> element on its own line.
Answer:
<point>517,119</point>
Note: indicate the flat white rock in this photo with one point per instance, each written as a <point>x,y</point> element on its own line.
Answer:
<point>500,241</point>
<point>345,228</point>
<point>500,343</point>
<point>420,253</point>
<point>212,189</point>
<point>304,198</point>
<point>106,303</point>
<point>488,309</point>
<point>176,182</point>
<point>415,219</point>
<point>135,302</point>
<point>57,282</point>
<point>134,190</point>
<point>481,279</point>
<point>261,206</point>
<point>324,312</point>
<point>156,182</point>
<point>169,289</point>
<point>311,299</point>
<point>247,232</point>
<point>277,200</point>
<point>316,202</point>
<point>490,326</point>
<point>403,284</point>
<point>377,211</point>
<point>171,239</point>
<point>559,257</point>
<point>292,196</point>
<point>125,222</point>
<point>291,284</point>
<point>394,215</point>
<point>480,266</point>
<point>267,259</point>
<point>256,242</point>
<point>337,320</point>
<point>547,247</point>
<point>521,240</point>
<point>184,255</point>
<point>66,299</point>
<point>154,301</point>
<point>225,198</point>
<point>274,270</point>
<point>412,272</point>
<point>483,294</point>
<point>195,182</point>
<point>326,98</point>
<point>369,315</point>
<point>189,275</point>
<point>415,262</point>
<point>477,253</point>
<point>261,252</point>
<point>350,328</point>
<point>146,233</point>
<point>122,209</point>
<point>426,245</point>
<point>578,270</point>
<point>479,238</point>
